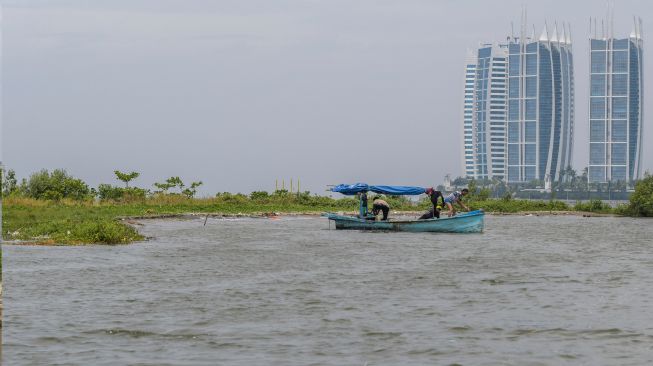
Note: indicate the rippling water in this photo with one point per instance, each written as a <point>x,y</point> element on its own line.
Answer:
<point>529,291</point>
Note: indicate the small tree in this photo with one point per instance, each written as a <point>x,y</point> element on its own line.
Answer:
<point>9,183</point>
<point>192,190</point>
<point>173,182</point>
<point>126,177</point>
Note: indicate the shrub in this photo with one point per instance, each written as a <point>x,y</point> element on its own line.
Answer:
<point>593,206</point>
<point>55,186</point>
<point>641,202</point>
<point>107,192</point>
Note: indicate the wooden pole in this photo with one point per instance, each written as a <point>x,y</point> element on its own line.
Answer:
<point>290,185</point>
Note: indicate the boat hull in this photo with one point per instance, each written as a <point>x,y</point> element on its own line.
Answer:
<point>469,222</point>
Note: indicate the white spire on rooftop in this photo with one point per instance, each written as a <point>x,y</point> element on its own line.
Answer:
<point>634,33</point>
<point>544,37</point>
<point>568,34</point>
<point>554,37</point>
<point>533,34</point>
<point>563,39</point>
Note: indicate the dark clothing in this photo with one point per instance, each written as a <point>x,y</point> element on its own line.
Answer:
<point>381,205</point>
<point>429,215</point>
<point>433,196</point>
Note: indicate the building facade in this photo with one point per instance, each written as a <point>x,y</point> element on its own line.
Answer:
<point>540,106</point>
<point>518,121</point>
<point>484,114</point>
<point>616,106</point>
<point>468,116</point>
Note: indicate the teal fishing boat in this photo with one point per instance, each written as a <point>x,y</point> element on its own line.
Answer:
<point>468,222</point>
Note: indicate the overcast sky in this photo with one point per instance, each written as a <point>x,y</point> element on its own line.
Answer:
<point>241,93</point>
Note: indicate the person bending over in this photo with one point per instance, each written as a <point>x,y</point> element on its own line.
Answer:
<point>437,207</point>
<point>456,197</point>
<point>380,205</point>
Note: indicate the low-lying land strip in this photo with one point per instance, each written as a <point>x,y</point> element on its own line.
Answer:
<point>70,222</point>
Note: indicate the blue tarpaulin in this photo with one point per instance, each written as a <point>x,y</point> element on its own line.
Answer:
<point>351,189</point>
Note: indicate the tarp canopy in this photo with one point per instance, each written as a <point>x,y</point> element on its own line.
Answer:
<point>351,189</point>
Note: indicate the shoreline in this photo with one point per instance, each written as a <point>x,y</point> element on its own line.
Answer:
<point>134,221</point>
<point>192,215</point>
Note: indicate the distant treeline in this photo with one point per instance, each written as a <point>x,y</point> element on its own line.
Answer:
<point>59,185</point>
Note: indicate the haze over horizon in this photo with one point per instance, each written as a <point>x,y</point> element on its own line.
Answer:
<point>239,94</point>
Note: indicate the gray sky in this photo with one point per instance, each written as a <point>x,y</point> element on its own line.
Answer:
<point>240,93</point>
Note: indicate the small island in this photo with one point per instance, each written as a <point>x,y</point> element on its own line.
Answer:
<point>54,208</point>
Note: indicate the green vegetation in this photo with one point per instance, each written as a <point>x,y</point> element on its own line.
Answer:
<point>641,202</point>
<point>56,208</point>
<point>126,177</point>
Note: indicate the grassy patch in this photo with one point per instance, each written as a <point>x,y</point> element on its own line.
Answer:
<point>78,222</point>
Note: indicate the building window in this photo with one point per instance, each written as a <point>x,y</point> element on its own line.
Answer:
<point>513,88</point>
<point>531,47</point>
<point>620,44</point>
<point>597,154</point>
<point>530,132</point>
<point>597,174</point>
<point>597,87</point>
<point>620,61</point>
<point>530,106</point>
<point>618,173</point>
<point>531,64</point>
<point>529,173</point>
<point>513,65</point>
<point>513,109</point>
<point>597,131</point>
<point>619,84</point>
<point>597,108</point>
<point>513,174</point>
<point>598,62</point>
<point>619,131</point>
<point>598,44</point>
<point>513,131</point>
<point>619,107</point>
<point>513,154</point>
<point>529,154</point>
<point>531,87</point>
<point>618,153</point>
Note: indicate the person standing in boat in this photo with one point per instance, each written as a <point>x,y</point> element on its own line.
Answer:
<point>380,205</point>
<point>363,204</point>
<point>437,207</point>
<point>456,197</point>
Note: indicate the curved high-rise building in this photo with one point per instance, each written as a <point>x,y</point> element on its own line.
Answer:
<point>468,115</point>
<point>540,121</point>
<point>615,105</point>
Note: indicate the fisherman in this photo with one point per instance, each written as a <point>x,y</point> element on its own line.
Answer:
<point>363,205</point>
<point>456,197</point>
<point>437,207</point>
<point>380,205</point>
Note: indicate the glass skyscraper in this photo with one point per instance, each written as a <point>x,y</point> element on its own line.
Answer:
<point>521,118</point>
<point>468,116</point>
<point>484,113</point>
<point>540,106</point>
<point>615,106</point>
